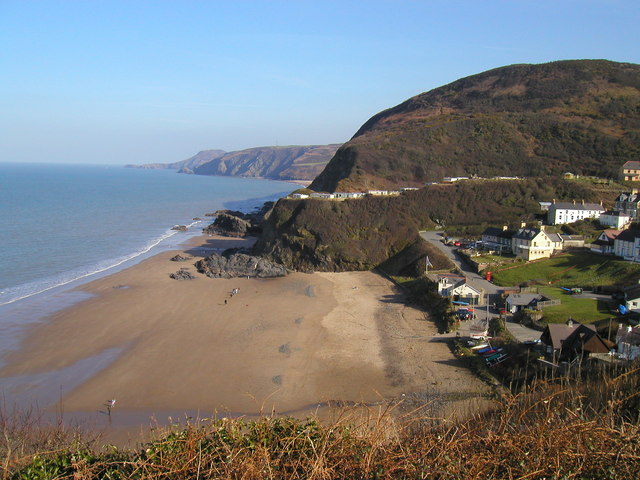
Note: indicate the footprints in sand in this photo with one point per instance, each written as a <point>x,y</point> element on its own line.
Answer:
<point>286,350</point>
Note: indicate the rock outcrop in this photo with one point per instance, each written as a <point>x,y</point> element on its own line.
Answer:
<point>239,265</point>
<point>228,226</point>
<point>180,258</point>
<point>182,274</point>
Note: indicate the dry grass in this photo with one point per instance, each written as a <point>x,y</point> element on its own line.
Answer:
<point>556,430</point>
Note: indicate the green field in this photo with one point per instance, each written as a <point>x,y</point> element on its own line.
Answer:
<point>575,269</point>
<point>584,310</point>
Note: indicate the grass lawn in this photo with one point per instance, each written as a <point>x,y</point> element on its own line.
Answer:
<point>584,310</point>
<point>574,269</point>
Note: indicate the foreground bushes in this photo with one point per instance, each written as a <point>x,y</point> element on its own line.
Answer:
<point>557,430</point>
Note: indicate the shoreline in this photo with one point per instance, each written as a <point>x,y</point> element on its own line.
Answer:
<point>293,344</point>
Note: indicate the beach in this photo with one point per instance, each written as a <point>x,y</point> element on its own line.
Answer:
<point>289,345</point>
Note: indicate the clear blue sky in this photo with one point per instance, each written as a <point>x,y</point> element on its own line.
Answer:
<point>156,81</point>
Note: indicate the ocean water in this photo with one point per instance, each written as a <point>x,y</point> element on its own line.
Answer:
<point>65,224</point>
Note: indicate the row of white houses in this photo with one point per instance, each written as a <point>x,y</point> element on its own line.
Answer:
<point>559,213</point>
<point>343,195</point>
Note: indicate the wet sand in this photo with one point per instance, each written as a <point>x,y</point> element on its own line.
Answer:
<point>285,345</point>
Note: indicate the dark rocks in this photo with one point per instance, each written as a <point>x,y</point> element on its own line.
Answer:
<point>180,258</point>
<point>180,228</point>
<point>229,226</point>
<point>232,223</point>
<point>182,274</point>
<point>239,265</point>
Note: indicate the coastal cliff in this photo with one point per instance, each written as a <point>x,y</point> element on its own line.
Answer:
<point>297,162</point>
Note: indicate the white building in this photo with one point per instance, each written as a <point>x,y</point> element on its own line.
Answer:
<point>349,194</point>
<point>299,196</point>
<point>458,289</point>
<point>617,220</point>
<point>569,212</point>
<point>321,195</point>
<point>627,245</point>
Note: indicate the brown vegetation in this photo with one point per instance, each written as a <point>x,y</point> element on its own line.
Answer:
<point>362,234</point>
<point>556,430</point>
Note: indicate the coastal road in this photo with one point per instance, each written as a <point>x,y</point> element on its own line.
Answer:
<point>519,332</point>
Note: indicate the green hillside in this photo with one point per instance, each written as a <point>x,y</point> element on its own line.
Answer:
<point>580,116</point>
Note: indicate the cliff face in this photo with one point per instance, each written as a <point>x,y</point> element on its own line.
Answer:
<point>580,116</point>
<point>278,163</point>
<point>190,163</point>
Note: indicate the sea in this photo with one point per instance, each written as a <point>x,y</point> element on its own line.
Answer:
<point>62,225</point>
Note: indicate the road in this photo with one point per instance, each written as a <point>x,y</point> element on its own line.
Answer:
<point>519,332</point>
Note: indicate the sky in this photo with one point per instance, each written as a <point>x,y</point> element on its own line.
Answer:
<point>135,81</point>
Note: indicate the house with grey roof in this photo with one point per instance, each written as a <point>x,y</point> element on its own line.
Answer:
<point>458,288</point>
<point>631,171</point>
<point>568,212</point>
<point>627,203</point>
<point>498,238</point>
<point>532,243</point>
<point>520,301</point>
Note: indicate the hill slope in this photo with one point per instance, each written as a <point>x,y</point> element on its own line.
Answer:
<point>581,116</point>
<point>362,234</point>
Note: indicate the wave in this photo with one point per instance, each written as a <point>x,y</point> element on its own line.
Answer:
<point>24,291</point>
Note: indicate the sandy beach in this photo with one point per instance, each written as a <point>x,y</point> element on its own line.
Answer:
<point>286,345</point>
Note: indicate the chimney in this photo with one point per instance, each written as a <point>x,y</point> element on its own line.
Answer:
<point>583,201</point>
<point>523,224</point>
<point>505,228</point>
<point>574,201</point>
<point>570,323</point>
<point>553,201</point>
